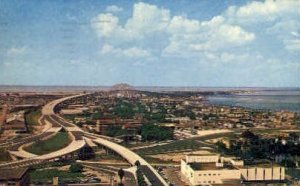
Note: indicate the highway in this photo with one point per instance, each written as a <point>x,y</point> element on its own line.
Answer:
<point>78,141</point>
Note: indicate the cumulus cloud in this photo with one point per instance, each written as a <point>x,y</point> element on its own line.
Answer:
<point>153,30</point>
<point>105,24</point>
<point>133,52</point>
<point>275,17</point>
<point>176,34</point>
<point>148,18</point>
<point>269,9</point>
<point>136,52</point>
<point>113,9</point>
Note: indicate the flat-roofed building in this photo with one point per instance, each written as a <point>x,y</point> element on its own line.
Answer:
<point>207,169</point>
<point>103,125</point>
<point>213,169</point>
<point>263,173</point>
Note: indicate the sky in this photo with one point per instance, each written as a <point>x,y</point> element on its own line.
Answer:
<point>208,43</point>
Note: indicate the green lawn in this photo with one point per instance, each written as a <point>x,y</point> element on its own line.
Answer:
<point>182,145</point>
<point>46,176</point>
<point>32,119</point>
<point>177,146</point>
<point>59,141</point>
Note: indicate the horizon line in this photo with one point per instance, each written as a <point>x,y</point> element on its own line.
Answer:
<point>160,86</point>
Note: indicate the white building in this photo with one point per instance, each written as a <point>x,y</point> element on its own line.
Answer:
<point>210,169</point>
<point>266,173</point>
<point>207,169</point>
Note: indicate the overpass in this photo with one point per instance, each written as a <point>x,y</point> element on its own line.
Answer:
<point>78,141</point>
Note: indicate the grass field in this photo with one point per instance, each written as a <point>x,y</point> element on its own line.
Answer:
<point>60,140</point>
<point>46,176</point>
<point>182,145</point>
<point>32,119</point>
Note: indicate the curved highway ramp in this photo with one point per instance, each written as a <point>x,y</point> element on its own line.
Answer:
<point>77,143</point>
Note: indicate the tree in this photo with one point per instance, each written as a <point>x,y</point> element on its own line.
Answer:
<point>86,153</point>
<point>249,135</point>
<point>75,167</point>
<point>121,174</point>
<point>221,146</point>
<point>96,115</point>
<point>155,132</point>
<point>137,163</point>
<point>124,110</point>
<point>140,177</point>
<point>205,117</point>
<point>191,115</point>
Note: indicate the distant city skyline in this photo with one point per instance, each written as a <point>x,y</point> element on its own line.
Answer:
<point>150,43</point>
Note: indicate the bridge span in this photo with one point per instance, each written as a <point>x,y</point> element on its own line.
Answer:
<point>79,138</point>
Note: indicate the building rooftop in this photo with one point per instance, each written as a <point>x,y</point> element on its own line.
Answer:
<point>209,166</point>
<point>203,154</point>
<point>264,165</point>
<point>12,174</point>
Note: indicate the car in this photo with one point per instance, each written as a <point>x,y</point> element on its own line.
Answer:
<point>94,180</point>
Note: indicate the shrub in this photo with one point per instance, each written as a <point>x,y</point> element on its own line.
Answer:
<point>75,167</point>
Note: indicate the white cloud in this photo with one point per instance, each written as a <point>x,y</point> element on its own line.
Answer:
<point>15,51</point>
<point>113,9</point>
<point>190,36</point>
<point>226,57</point>
<point>136,52</point>
<point>133,52</point>
<point>178,32</point>
<point>106,49</point>
<point>148,18</point>
<point>179,24</point>
<point>152,30</point>
<point>234,34</point>
<point>105,24</point>
<point>268,8</point>
<point>292,45</point>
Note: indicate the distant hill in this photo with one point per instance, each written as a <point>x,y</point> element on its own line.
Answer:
<point>122,86</point>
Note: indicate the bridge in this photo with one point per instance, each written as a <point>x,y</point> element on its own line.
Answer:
<point>80,138</point>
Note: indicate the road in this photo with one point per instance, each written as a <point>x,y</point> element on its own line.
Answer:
<point>78,142</point>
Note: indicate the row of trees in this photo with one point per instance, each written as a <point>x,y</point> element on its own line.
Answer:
<point>139,174</point>
<point>151,132</point>
<point>252,146</point>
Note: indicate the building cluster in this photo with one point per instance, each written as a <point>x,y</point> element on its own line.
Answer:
<point>213,169</point>
<point>177,110</point>
<point>15,99</point>
<point>16,122</point>
<point>15,177</point>
<point>14,104</point>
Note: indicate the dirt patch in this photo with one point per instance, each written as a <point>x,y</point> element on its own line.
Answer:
<point>176,157</point>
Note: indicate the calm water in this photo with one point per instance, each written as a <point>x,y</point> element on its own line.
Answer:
<point>274,99</point>
<point>259,98</point>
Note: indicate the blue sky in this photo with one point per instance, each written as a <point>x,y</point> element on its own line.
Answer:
<point>150,43</point>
